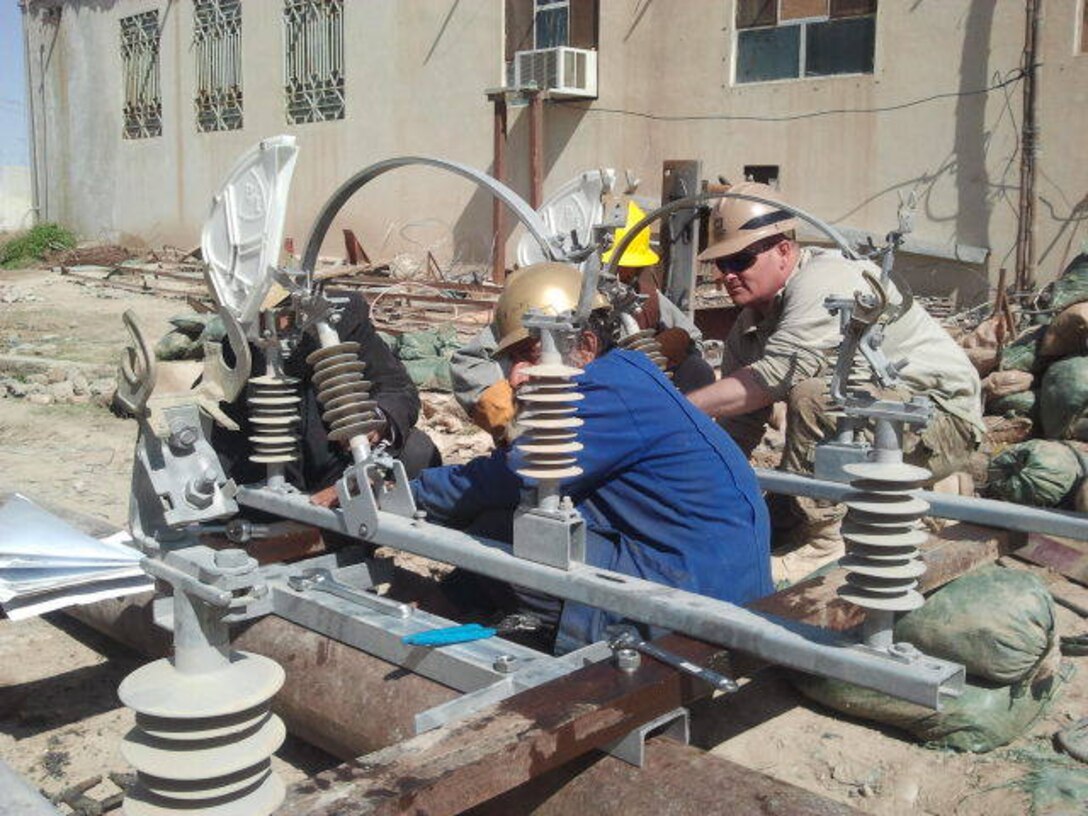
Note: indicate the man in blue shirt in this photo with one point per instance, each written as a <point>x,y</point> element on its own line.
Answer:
<point>666,494</point>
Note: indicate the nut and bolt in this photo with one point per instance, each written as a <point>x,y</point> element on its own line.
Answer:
<point>183,437</point>
<point>504,664</point>
<point>627,659</point>
<point>363,531</point>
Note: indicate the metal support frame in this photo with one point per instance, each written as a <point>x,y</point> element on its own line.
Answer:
<point>924,681</point>
<point>675,725</point>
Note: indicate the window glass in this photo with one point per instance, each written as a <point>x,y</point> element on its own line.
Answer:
<point>752,13</point>
<point>840,47</point>
<point>801,9</point>
<point>551,26</point>
<point>852,8</point>
<point>765,54</point>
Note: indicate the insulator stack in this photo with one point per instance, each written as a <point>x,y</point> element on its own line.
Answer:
<point>548,404</point>
<point>203,741</point>
<point>882,534</point>
<point>343,392</point>
<point>646,342</point>
<point>273,403</point>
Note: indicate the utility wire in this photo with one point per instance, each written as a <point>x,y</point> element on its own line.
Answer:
<point>1015,76</point>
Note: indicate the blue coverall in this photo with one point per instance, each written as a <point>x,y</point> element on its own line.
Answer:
<point>666,494</point>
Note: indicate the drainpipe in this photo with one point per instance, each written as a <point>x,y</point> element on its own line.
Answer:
<point>1029,146</point>
<point>31,124</point>
<point>536,149</point>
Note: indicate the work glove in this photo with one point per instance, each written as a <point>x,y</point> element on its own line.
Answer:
<point>495,410</point>
<point>675,344</point>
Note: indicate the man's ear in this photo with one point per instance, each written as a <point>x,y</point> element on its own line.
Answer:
<point>589,344</point>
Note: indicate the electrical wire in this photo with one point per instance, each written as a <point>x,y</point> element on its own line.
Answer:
<point>1014,76</point>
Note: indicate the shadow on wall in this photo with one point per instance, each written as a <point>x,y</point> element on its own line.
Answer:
<point>472,232</point>
<point>972,179</point>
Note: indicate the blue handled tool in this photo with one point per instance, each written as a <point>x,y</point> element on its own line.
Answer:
<point>449,635</point>
<point>468,632</point>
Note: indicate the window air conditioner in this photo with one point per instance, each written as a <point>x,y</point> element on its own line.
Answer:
<point>563,71</point>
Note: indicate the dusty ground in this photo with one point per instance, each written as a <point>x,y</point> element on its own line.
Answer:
<point>60,720</point>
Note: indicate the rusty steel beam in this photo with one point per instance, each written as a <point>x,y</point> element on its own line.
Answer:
<point>536,149</point>
<point>676,779</point>
<point>472,760</point>
<point>498,211</point>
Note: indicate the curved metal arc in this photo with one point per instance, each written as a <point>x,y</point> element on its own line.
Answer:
<point>137,368</point>
<point>529,217</point>
<point>693,201</point>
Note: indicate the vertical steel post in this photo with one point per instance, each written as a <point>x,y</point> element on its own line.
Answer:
<point>536,149</point>
<point>498,209</point>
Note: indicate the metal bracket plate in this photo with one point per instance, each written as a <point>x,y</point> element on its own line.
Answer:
<point>632,748</point>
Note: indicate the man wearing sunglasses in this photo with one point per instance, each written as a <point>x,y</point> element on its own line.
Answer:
<point>782,348</point>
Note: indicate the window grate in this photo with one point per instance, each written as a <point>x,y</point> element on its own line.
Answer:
<point>140,63</point>
<point>217,43</point>
<point>313,60</point>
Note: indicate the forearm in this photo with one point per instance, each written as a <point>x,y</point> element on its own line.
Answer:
<point>739,393</point>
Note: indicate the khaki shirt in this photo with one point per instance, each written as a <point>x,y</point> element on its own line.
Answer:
<point>797,338</point>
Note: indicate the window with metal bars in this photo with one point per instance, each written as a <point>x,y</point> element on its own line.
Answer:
<point>217,44</point>
<point>313,60</point>
<point>140,64</point>
<point>790,39</point>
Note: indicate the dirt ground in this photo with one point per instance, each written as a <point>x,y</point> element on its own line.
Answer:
<point>61,721</point>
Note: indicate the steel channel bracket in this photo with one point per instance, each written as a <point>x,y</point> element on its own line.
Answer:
<point>556,538</point>
<point>632,748</point>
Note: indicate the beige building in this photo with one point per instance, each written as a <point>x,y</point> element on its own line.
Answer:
<point>140,108</point>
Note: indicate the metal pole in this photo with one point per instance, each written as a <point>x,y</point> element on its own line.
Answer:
<point>1025,242</point>
<point>31,124</point>
<point>498,210</point>
<point>536,149</point>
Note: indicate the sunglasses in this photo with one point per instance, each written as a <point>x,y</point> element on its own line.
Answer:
<point>739,261</point>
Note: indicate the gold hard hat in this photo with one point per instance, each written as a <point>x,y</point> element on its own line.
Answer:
<point>638,252</point>
<point>736,223</point>
<point>549,287</point>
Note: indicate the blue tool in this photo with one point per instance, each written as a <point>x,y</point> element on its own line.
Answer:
<point>468,632</point>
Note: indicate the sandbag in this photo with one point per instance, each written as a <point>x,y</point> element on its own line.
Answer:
<point>1022,354</point>
<point>1063,399</point>
<point>191,324</point>
<point>999,623</point>
<point>1038,472</point>
<point>1003,383</point>
<point>419,345</point>
<point>430,373</point>
<point>983,359</point>
<point>1022,404</point>
<point>176,345</point>
<point>981,719</point>
<point>1002,430</point>
<point>1067,333</point>
<point>1071,287</point>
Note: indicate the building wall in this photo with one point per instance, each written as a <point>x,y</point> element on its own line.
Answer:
<point>15,202</point>
<point>417,71</point>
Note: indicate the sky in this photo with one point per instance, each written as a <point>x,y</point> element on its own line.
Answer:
<point>13,133</point>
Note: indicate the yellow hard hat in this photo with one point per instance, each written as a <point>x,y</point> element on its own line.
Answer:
<point>550,287</point>
<point>638,252</point>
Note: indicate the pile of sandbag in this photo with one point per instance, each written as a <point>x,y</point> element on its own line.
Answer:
<point>1000,625</point>
<point>185,341</point>
<point>426,355</point>
<point>1035,391</point>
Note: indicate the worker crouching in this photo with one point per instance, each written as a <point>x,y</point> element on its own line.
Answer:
<point>665,494</point>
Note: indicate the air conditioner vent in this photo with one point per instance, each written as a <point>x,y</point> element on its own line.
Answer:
<point>562,71</point>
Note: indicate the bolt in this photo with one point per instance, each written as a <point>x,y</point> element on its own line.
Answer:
<point>418,516</point>
<point>904,650</point>
<point>184,437</point>
<point>334,318</point>
<point>566,504</point>
<point>363,531</point>
<point>504,664</point>
<point>627,659</point>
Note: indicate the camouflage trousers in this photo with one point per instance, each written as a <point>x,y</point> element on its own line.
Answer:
<point>943,447</point>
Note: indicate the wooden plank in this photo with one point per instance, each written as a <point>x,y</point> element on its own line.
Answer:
<point>676,779</point>
<point>1064,555</point>
<point>466,762</point>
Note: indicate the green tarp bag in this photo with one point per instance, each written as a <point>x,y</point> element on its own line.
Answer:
<point>1022,354</point>
<point>998,623</point>
<point>1071,287</point>
<point>1038,472</point>
<point>1022,404</point>
<point>1063,399</point>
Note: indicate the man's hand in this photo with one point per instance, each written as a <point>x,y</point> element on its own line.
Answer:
<point>326,497</point>
<point>518,375</point>
<point>738,393</point>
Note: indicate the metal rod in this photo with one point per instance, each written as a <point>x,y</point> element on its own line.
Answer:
<point>786,643</point>
<point>987,512</point>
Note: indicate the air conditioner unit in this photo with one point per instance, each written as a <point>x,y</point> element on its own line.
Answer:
<point>563,71</point>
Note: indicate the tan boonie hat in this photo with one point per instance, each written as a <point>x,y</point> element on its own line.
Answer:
<point>736,223</point>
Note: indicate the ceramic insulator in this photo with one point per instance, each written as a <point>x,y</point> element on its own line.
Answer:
<point>548,403</point>
<point>273,415</point>
<point>343,392</point>
<point>203,741</point>
<point>646,342</point>
<point>882,534</point>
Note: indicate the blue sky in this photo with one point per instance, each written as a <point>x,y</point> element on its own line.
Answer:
<point>13,135</point>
